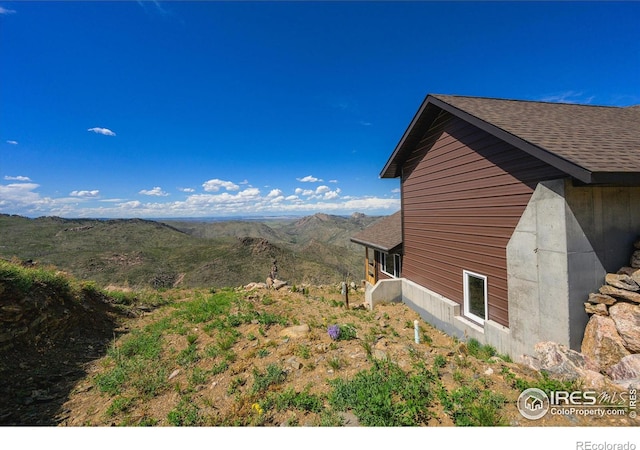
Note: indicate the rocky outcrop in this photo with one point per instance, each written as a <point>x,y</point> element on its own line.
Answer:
<point>612,335</point>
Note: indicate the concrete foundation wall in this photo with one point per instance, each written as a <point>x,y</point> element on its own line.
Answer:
<point>568,238</point>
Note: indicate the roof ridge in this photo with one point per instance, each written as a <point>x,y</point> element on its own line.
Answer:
<point>444,96</point>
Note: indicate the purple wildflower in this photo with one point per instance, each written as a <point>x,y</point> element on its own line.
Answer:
<point>334,332</point>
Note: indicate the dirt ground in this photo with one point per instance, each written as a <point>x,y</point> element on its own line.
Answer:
<point>54,385</point>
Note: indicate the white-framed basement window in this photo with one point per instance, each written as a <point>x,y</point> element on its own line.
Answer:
<point>475,296</point>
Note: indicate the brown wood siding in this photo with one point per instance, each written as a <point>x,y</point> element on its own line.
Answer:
<point>463,192</point>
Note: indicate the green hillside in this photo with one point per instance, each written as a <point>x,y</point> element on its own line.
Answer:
<point>141,253</point>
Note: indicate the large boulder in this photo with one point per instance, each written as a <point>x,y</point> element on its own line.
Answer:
<point>602,343</point>
<point>627,320</point>
<point>628,368</point>
<point>561,361</point>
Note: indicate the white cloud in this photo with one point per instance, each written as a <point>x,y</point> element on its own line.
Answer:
<point>333,181</point>
<point>134,204</point>
<point>215,185</point>
<point>4,11</point>
<point>18,178</point>
<point>85,194</point>
<point>305,192</point>
<point>331,195</point>
<point>396,190</point>
<point>189,190</point>
<point>22,198</point>
<point>156,191</point>
<point>17,191</point>
<point>12,142</point>
<point>274,193</point>
<point>309,179</point>
<point>104,131</point>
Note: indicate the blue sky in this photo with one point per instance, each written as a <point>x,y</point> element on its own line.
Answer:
<point>201,109</point>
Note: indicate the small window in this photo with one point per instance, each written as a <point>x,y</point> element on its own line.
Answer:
<point>475,296</point>
<point>382,261</point>
<point>396,265</point>
<point>389,264</point>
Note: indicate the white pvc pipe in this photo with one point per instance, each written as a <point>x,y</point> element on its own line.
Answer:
<point>416,331</point>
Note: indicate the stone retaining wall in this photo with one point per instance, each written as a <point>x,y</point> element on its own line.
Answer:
<point>612,335</point>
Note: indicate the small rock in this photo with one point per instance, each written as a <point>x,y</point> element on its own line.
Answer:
<point>279,284</point>
<point>621,282</point>
<point>601,298</point>
<point>489,371</point>
<point>296,331</point>
<point>294,363</point>
<point>174,374</point>
<point>620,293</point>
<point>600,309</point>
<point>380,354</point>
<point>349,419</point>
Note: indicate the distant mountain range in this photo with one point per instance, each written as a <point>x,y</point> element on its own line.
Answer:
<point>163,253</point>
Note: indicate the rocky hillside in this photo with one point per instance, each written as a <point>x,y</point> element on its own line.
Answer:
<point>74,355</point>
<point>143,253</point>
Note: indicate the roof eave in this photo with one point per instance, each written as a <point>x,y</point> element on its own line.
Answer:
<point>391,168</point>
<point>381,247</point>
<point>615,178</point>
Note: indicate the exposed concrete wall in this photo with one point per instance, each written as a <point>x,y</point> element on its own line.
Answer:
<point>384,291</point>
<point>538,272</point>
<point>602,224</point>
<point>566,241</point>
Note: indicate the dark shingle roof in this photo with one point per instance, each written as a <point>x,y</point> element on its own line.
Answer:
<point>384,234</point>
<point>591,143</point>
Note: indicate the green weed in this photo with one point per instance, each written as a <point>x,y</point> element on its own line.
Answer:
<point>185,414</point>
<point>385,396</point>
<point>273,375</point>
